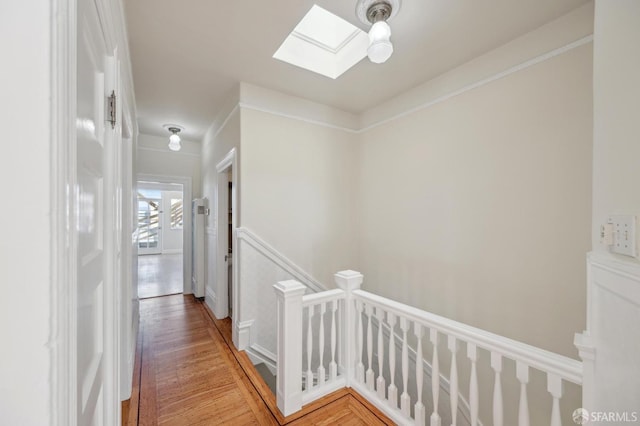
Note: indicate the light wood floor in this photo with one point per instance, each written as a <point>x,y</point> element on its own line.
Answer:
<point>159,275</point>
<point>188,373</point>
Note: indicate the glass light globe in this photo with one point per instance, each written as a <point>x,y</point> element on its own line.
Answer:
<point>380,47</point>
<point>174,142</point>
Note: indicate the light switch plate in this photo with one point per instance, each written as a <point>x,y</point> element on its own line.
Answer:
<point>624,234</point>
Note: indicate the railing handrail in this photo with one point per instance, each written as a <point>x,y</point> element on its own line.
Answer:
<point>323,296</point>
<point>566,368</point>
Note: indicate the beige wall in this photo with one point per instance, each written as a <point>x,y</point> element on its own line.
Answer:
<point>155,158</point>
<point>616,147</point>
<point>297,190</point>
<point>477,208</point>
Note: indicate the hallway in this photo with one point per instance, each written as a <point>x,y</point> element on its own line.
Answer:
<point>187,373</point>
<point>159,275</point>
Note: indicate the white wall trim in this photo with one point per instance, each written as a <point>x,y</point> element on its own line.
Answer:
<point>226,161</point>
<point>243,330</point>
<point>187,195</point>
<point>311,120</point>
<point>244,234</point>
<point>221,219</point>
<point>258,355</point>
<point>484,81</point>
<point>210,298</point>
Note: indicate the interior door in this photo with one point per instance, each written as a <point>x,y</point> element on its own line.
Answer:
<point>149,226</point>
<point>96,74</point>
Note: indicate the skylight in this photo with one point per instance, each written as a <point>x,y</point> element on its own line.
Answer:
<point>324,43</point>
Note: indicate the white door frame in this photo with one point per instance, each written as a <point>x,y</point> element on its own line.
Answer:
<point>187,194</point>
<point>129,305</point>
<point>222,238</point>
<point>64,245</point>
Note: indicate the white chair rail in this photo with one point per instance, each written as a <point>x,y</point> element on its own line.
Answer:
<point>333,332</point>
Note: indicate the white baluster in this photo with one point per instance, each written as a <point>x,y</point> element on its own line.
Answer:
<point>554,386</point>
<point>380,383</point>
<point>419,410</point>
<point>435,378</point>
<point>333,367</point>
<point>393,390</point>
<point>472,354</point>
<point>405,400</point>
<point>522,372</point>
<point>359,348</point>
<point>496,364</point>
<point>321,376</point>
<point>370,376</point>
<point>309,374</point>
<point>453,380</point>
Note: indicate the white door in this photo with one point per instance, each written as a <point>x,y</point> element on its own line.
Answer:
<point>96,397</point>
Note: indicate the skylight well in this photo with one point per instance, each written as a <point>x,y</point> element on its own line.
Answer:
<point>324,43</point>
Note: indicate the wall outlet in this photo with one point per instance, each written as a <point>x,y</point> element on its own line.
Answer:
<point>624,234</point>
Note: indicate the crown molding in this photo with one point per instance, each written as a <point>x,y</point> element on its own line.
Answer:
<point>318,120</point>
<point>311,120</point>
<point>514,69</point>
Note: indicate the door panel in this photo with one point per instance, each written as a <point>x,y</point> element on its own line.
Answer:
<point>90,166</point>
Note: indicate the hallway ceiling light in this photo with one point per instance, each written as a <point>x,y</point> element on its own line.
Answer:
<point>377,13</point>
<point>174,139</point>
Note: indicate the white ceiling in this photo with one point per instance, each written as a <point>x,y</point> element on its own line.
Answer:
<point>189,55</point>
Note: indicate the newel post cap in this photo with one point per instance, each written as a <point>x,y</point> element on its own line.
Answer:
<point>349,280</point>
<point>290,288</point>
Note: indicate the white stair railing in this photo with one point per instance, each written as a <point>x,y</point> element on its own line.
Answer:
<point>360,360</point>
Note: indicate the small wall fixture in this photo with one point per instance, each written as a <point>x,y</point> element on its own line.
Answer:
<point>377,12</point>
<point>174,139</point>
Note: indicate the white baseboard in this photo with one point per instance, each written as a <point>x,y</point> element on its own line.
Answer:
<point>244,335</point>
<point>210,299</point>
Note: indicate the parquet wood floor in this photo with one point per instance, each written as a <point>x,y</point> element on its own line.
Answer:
<point>188,373</point>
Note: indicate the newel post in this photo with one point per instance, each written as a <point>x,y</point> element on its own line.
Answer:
<point>289,375</point>
<point>349,281</point>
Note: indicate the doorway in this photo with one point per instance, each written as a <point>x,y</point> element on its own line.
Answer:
<point>160,239</point>
<point>225,286</point>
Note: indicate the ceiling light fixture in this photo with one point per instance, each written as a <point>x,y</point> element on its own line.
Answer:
<point>174,139</point>
<point>377,13</point>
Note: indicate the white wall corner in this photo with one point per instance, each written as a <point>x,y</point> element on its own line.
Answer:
<point>229,106</point>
